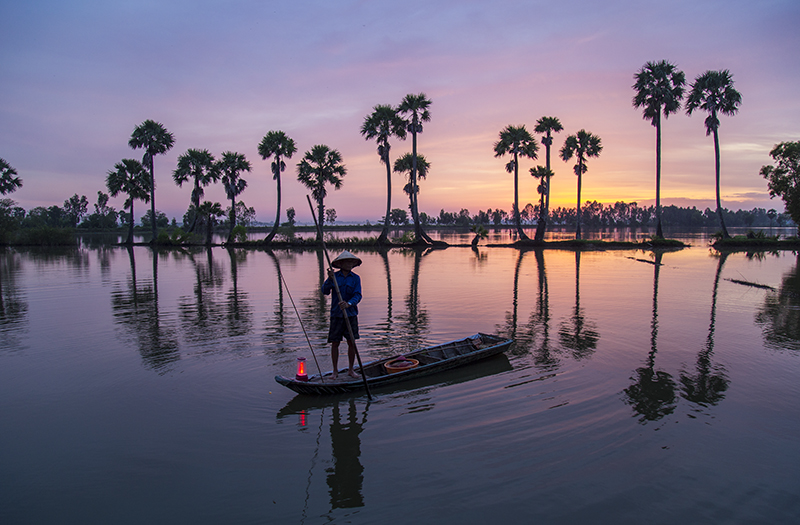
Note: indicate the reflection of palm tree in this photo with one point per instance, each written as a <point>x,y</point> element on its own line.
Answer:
<point>779,317</point>
<point>577,334</point>
<point>279,328</point>
<point>652,395</point>
<point>346,476</point>
<point>415,320</point>
<point>510,328</point>
<point>13,308</point>
<point>385,329</point>
<point>137,310</point>
<point>540,320</point>
<point>706,387</point>
<point>201,313</point>
<point>239,314</point>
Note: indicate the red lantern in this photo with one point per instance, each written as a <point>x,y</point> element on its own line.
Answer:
<point>301,369</point>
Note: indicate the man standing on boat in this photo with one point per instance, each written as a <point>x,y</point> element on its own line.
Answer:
<point>350,288</point>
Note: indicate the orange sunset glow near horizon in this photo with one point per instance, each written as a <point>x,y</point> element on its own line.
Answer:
<point>77,77</point>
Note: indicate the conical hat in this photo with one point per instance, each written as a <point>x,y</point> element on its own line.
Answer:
<point>345,256</point>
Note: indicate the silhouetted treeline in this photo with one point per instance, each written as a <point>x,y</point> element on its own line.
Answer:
<point>620,214</point>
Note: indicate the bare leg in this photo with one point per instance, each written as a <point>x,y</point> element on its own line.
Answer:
<point>351,356</point>
<point>335,358</point>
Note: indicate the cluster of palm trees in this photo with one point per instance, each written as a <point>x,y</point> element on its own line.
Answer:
<point>136,179</point>
<point>659,90</point>
<point>519,142</point>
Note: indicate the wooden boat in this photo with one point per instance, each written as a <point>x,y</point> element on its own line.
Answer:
<point>431,359</point>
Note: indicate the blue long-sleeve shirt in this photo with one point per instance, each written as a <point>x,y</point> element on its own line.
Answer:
<point>350,287</point>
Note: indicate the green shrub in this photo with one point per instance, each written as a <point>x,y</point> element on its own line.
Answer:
<point>46,236</point>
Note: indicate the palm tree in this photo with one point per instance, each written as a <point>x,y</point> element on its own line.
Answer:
<point>548,126</point>
<point>209,212</point>
<point>382,123</point>
<point>519,142</point>
<point>405,164</point>
<point>581,145</point>
<point>9,182</point>
<point>131,178</point>
<point>543,175</point>
<point>156,140</point>
<point>276,143</point>
<point>230,166</point>
<point>713,92</point>
<point>659,89</point>
<point>321,165</point>
<point>200,166</point>
<point>415,109</point>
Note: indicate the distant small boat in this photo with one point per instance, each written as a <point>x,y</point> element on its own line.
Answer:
<point>416,363</point>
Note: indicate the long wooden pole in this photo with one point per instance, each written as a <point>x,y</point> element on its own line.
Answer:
<point>339,295</point>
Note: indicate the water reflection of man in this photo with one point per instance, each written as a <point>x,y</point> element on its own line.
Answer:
<point>350,288</point>
<point>347,475</point>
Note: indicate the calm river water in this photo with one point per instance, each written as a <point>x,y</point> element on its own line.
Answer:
<point>137,386</point>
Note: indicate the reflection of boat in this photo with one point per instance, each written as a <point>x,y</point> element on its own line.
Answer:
<point>431,360</point>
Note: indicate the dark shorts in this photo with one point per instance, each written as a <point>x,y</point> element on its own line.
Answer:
<point>338,329</point>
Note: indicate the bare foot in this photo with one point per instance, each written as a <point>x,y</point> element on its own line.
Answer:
<point>353,375</point>
<point>335,375</point>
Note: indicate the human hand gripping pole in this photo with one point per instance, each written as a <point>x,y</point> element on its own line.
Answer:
<point>339,295</point>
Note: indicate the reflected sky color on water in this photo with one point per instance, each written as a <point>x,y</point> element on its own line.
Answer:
<point>137,386</point>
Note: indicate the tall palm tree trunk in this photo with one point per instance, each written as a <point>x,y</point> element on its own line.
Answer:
<point>130,227</point>
<point>320,215</point>
<point>544,212</point>
<point>278,211</point>
<point>419,233</point>
<point>719,202</point>
<point>659,231</point>
<point>517,218</point>
<point>578,215</point>
<point>152,200</point>
<point>384,236</point>
<point>233,218</point>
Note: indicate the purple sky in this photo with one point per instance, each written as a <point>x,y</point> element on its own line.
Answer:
<point>78,76</point>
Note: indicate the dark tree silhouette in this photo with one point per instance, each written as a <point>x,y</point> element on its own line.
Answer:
<point>154,138</point>
<point>198,165</point>
<point>713,92</point>
<point>548,126</point>
<point>320,166</point>
<point>231,165</point>
<point>581,145</point>
<point>276,144</point>
<point>414,108</point>
<point>131,178</point>
<point>382,124</point>
<point>9,182</point>
<point>659,89</point>
<point>517,141</point>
